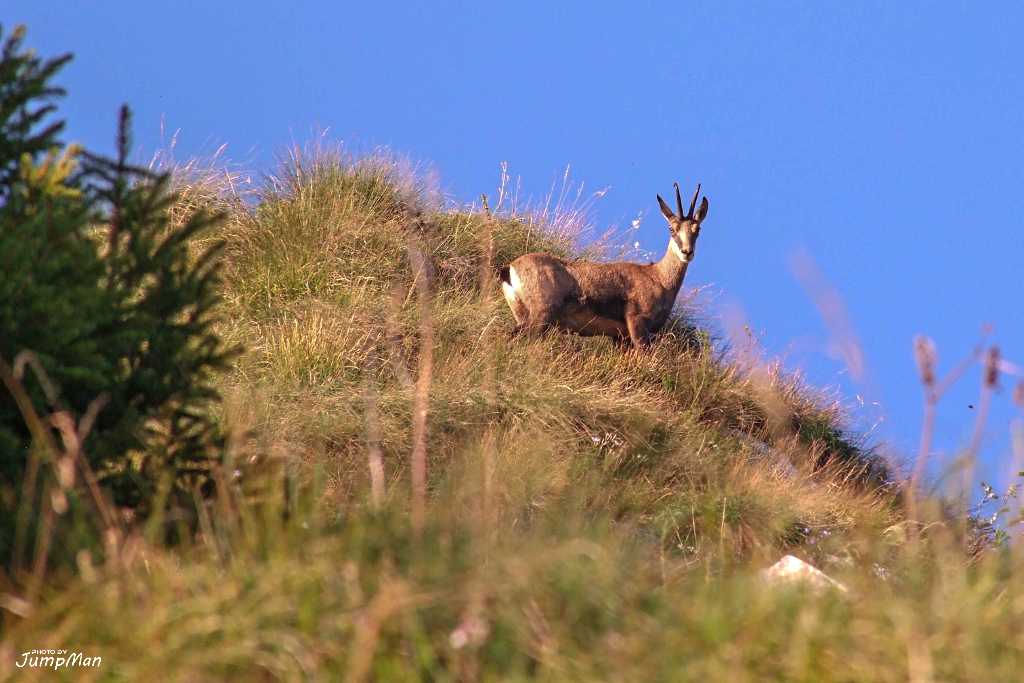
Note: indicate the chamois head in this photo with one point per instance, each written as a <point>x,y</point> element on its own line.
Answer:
<point>685,229</point>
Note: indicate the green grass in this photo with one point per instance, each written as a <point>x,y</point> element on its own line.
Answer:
<point>591,514</point>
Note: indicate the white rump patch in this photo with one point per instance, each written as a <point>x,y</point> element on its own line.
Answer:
<point>510,288</point>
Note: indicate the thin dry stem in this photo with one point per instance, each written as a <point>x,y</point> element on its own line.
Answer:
<point>421,400</point>
<point>43,441</point>
<point>1017,463</point>
<point>394,340</point>
<point>927,359</point>
<point>375,454</point>
<point>43,539</point>
<point>989,379</point>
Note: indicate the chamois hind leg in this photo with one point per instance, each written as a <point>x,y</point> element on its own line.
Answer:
<point>534,317</point>
<point>531,319</point>
<point>522,314</point>
<point>537,321</point>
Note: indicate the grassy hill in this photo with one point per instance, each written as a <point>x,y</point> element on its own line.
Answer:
<point>590,514</point>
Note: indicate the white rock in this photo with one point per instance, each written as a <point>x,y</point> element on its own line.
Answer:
<point>792,570</point>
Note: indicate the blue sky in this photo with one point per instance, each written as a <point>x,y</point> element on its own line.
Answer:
<point>878,145</point>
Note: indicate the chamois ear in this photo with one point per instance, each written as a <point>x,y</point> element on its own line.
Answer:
<point>664,209</point>
<point>702,211</point>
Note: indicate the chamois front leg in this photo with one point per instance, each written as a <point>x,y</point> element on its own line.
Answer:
<point>639,334</point>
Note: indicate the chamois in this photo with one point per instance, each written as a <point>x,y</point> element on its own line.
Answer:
<point>626,301</point>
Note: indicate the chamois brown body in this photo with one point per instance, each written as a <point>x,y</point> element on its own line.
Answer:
<point>626,301</point>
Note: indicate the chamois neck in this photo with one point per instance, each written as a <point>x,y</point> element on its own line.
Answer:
<point>671,268</point>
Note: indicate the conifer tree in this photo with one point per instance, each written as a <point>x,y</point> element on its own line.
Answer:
<point>111,297</point>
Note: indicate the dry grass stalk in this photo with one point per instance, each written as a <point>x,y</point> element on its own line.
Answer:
<point>989,380</point>
<point>54,502</point>
<point>1017,461</point>
<point>421,398</point>
<point>926,357</point>
<point>374,454</point>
